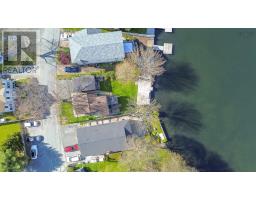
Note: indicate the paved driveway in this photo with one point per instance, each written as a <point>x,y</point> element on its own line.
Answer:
<point>50,151</point>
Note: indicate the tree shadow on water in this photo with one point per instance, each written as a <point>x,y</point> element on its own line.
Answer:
<point>179,78</point>
<point>184,117</point>
<point>197,156</point>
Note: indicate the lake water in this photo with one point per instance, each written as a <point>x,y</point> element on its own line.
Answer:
<point>208,97</point>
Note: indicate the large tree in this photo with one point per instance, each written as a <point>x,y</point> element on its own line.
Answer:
<point>149,156</point>
<point>14,158</point>
<point>149,61</point>
<point>147,113</point>
<point>33,100</point>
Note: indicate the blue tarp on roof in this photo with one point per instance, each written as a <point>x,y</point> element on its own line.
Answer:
<point>128,47</point>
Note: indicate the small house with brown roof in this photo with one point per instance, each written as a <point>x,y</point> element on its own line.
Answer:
<point>94,104</point>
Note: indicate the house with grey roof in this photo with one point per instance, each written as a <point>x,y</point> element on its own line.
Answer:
<point>78,84</point>
<point>90,46</point>
<point>98,140</point>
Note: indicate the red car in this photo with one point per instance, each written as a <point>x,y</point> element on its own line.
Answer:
<point>71,148</point>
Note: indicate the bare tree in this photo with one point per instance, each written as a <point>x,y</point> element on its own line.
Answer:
<point>147,155</point>
<point>147,113</point>
<point>149,62</point>
<point>33,100</point>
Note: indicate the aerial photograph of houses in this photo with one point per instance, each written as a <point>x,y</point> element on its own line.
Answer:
<point>127,100</point>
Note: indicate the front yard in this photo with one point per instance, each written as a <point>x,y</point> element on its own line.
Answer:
<point>109,165</point>
<point>67,115</point>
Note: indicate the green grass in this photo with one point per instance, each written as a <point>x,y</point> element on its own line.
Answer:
<point>110,165</point>
<point>75,75</point>
<point>8,117</point>
<point>157,129</point>
<point>125,91</point>
<point>72,29</point>
<point>68,117</point>
<point>5,132</point>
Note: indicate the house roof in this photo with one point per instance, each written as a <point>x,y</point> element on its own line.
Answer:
<point>87,47</point>
<point>100,139</point>
<point>85,103</point>
<point>84,83</point>
<point>79,84</point>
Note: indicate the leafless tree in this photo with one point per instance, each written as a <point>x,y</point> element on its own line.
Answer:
<point>147,113</point>
<point>148,155</point>
<point>33,100</point>
<point>149,62</point>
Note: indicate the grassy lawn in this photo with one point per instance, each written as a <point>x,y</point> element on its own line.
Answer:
<point>72,29</point>
<point>125,91</point>
<point>67,116</point>
<point>5,132</point>
<point>157,129</point>
<point>75,75</point>
<point>8,117</point>
<point>110,165</point>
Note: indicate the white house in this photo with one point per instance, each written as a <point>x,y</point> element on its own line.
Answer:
<point>7,95</point>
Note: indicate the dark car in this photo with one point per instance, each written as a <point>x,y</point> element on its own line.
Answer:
<point>72,69</point>
<point>71,148</point>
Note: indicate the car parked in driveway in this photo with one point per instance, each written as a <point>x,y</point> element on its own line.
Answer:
<point>31,123</point>
<point>72,69</point>
<point>71,148</point>
<point>34,152</point>
<point>74,158</point>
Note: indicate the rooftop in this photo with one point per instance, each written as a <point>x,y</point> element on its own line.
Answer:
<point>91,46</point>
<point>98,140</point>
<point>87,103</point>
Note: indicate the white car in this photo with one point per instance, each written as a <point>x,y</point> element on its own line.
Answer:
<point>34,152</point>
<point>31,124</point>
<point>74,158</point>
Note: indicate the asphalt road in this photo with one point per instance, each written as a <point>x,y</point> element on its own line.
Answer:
<point>50,150</point>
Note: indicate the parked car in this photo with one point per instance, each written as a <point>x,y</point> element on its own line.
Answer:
<point>32,124</point>
<point>74,158</point>
<point>2,120</point>
<point>71,148</point>
<point>72,69</point>
<point>34,152</point>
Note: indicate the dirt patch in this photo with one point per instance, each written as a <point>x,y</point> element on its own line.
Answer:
<point>126,72</point>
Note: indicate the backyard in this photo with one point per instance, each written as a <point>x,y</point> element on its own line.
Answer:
<point>125,91</point>
<point>67,115</point>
